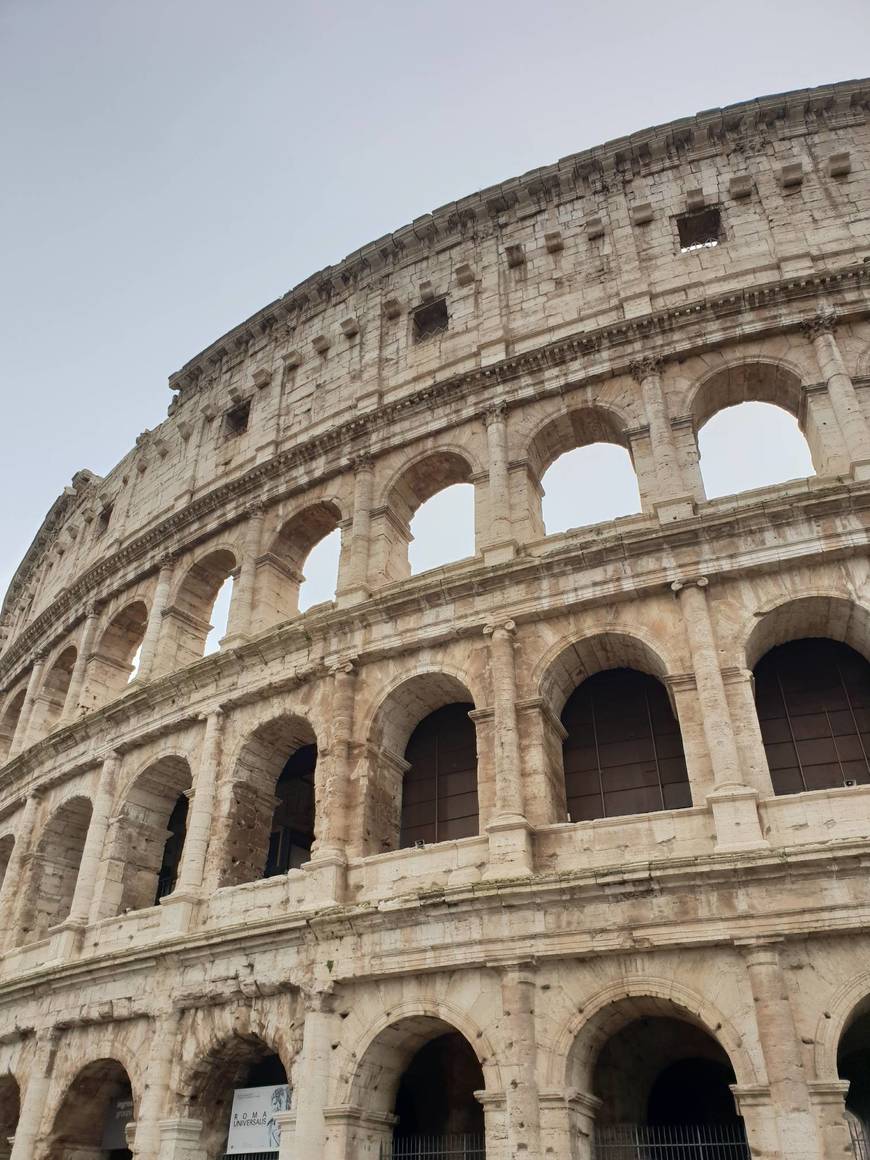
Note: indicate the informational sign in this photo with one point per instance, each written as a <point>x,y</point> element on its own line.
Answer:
<point>118,1115</point>
<point>252,1120</point>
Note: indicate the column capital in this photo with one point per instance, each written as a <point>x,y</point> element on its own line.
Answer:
<point>494,412</point>
<point>364,461</point>
<point>217,713</point>
<point>822,322</point>
<point>646,366</point>
<point>677,586</point>
<point>256,509</point>
<point>345,665</point>
<point>500,629</point>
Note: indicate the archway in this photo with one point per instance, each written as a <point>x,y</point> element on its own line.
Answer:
<point>10,1108</point>
<point>7,842</point>
<point>813,702</point>
<point>9,721</point>
<point>301,565</point>
<point>853,1065</point>
<point>50,702</point>
<point>240,1080</point>
<point>422,784</point>
<point>751,445</point>
<point>149,833</point>
<point>55,867</point>
<point>111,667</point>
<point>94,1114</point>
<point>188,627</point>
<point>424,1073</point>
<point>273,805</point>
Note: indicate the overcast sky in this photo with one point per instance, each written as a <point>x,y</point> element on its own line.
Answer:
<point>170,166</point>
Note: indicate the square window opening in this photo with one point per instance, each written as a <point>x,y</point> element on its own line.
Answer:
<point>236,420</point>
<point>700,230</point>
<point>103,519</point>
<point>430,319</point>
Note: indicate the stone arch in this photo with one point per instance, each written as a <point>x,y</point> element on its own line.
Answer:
<point>821,614</point>
<point>187,619</point>
<point>385,1050</point>
<point>7,844</point>
<point>280,571</point>
<point>205,1090</point>
<point>261,759</point>
<point>140,837</point>
<point>410,700</point>
<point>848,1002</point>
<point>10,1108</point>
<point>50,701</point>
<point>110,666</point>
<point>413,484</point>
<point>617,1004</point>
<point>9,719</point>
<point>100,1092</point>
<point>574,429</point>
<point>55,867</point>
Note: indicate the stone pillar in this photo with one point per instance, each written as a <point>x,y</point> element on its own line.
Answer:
<point>77,680</point>
<point>828,1101</point>
<point>673,501</point>
<point>21,737</point>
<point>104,800</point>
<point>179,905</point>
<point>739,687</point>
<point>510,835</point>
<point>35,1097</point>
<point>354,585</point>
<point>498,542</point>
<point>329,856</point>
<point>733,803</point>
<point>11,891</point>
<point>311,1095</point>
<point>519,1067</point>
<point>180,1139</point>
<point>241,612</point>
<point>155,620</point>
<point>844,401</point>
<point>157,1074</point>
<point>781,1046</point>
<point>754,1105</point>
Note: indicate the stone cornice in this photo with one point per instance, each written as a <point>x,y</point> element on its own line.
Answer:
<point>662,329</point>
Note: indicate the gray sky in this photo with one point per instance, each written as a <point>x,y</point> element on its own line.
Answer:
<point>172,165</point>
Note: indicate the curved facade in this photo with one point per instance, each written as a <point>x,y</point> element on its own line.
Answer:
<point>384,848</point>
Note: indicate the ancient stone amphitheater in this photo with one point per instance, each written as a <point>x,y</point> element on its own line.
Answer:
<point>559,850</point>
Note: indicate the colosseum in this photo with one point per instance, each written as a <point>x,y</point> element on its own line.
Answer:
<point>556,851</point>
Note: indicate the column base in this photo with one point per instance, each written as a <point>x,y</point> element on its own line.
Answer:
<point>860,470</point>
<point>328,873</point>
<point>510,849</point>
<point>233,640</point>
<point>735,816</point>
<point>177,916</point>
<point>67,939</point>
<point>679,508</point>
<point>350,596</point>
<point>180,1140</point>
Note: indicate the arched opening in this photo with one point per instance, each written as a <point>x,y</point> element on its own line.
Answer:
<point>50,702</point>
<point>751,445</point>
<point>813,701</point>
<point>301,567</point>
<point>92,1120</point>
<point>622,752</point>
<point>422,779</point>
<point>588,486</point>
<point>9,721</point>
<point>55,867</point>
<point>272,810</point>
<point>582,470</point>
<point>439,789</point>
<point>426,1074</point>
<point>236,1092</point>
<point>110,667</point>
<point>10,1109</point>
<point>441,533</point>
<point>665,1090</point>
<point>853,1064</point>
<point>149,834</point>
<point>7,843</point>
<point>442,529</point>
<point>197,620</point>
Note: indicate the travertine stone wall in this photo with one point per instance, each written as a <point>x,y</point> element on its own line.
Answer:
<point>574,317</point>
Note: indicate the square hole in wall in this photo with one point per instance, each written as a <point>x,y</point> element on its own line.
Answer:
<point>430,319</point>
<point>236,419</point>
<point>700,230</point>
<point>104,518</point>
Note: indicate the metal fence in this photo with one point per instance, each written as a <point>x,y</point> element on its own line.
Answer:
<point>461,1147</point>
<point>671,1142</point>
<point>860,1138</point>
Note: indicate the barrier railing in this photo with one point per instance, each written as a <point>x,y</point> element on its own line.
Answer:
<point>459,1147</point>
<point>670,1142</point>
